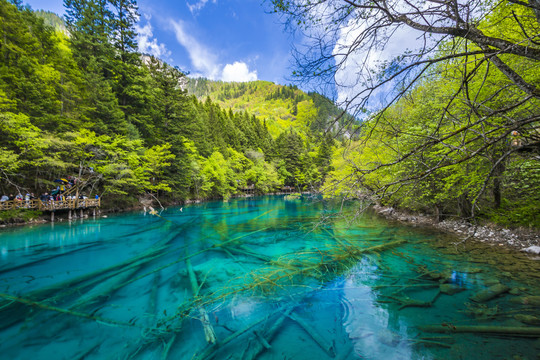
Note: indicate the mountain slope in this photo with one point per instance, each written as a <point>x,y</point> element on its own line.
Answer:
<point>282,107</point>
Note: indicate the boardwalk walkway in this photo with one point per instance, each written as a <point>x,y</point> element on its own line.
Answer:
<point>52,205</point>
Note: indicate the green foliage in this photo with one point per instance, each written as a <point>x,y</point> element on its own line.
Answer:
<point>477,169</point>
<point>218,177</point>
<point>282,107</point>
<point>18,215</point>
<point>264,177</point>
<point>52,20</point>
<point>521,187</point>
<point>89,105</point>
<point>513,213</point>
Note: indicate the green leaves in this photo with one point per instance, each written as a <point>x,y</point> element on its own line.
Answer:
<point>89,105</point>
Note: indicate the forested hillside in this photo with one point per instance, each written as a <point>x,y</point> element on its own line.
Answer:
<point>89,105</point>
<point>282,107</point>
<point>453,121</point>
<point>459,139</point>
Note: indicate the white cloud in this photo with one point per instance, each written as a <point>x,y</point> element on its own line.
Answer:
<point>198,5</point>
<point>357,70</point>
<point>206,63</point>
<point>148,44</point>
<point>202,58</point>
<point>239,72</point>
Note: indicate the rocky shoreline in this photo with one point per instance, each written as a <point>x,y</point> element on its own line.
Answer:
<point>520,239</point>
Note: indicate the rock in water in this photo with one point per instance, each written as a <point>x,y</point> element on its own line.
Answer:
<point>450,289</point>
<point>527,300</point>
<point>490,293</point>
<point>514,291</point>
<point>527,319</point>
<point>532,249</point>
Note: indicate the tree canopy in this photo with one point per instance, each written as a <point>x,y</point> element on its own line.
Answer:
<point>449,126</point>
<point>89,105</point>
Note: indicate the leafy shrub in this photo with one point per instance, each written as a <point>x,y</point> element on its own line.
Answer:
<point>18,215</point>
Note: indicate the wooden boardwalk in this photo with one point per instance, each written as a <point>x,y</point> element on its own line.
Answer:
<point>51,205</point>
<point>250,189</point>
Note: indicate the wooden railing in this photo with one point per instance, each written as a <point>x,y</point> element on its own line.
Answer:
<point>250,189</point>
<point>50,205</point>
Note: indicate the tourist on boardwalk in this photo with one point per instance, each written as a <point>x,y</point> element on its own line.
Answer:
<point>44,197</point>
<point>4,198</point>
<point>18,199</point>
<point>83,198</point>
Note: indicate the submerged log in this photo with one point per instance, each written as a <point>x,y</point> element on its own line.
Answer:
<point>527,319</point>
<point>213,349</point>
<point>430,343</point>
<point>83,354</point>
<point>245,251</point>
<point>14,312</point>
<point>519,331</point>
<point>380,247</point>
<point>231,255</point>
<point>406,301</point>
<point>151,314</point>
<point>490,293</point>
<point>262,339</point>
<point>342,242</point>
<point>319,339</point>
<point>50,257</point>
<point>209,333</point>
<point>346,352</point>
<point>254,351</point>
<point>153,298</point>
<point>527,300</point>
<point>167,348</point>
<point>104,289</point>
<point>40,305</point>
<point>450,289</point>
<point>101,291</point>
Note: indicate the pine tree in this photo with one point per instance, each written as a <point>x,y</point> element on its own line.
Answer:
<point>124,18</point>
<point>90,24</point>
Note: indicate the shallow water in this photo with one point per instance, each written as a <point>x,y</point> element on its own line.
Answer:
<point>271,279</point>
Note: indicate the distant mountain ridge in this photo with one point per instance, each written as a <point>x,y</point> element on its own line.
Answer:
<point>280,106</point>
<point>52,19</point>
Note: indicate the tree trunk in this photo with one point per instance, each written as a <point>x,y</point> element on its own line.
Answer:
<point>464,206</point>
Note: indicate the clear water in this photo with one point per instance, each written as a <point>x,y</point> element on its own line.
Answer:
<point>273,279</point>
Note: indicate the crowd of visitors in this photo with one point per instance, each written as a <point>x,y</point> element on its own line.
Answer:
<point>56,195</point>
<point>18,197</point>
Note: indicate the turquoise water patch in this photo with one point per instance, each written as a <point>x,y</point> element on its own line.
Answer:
<point>261,278</point>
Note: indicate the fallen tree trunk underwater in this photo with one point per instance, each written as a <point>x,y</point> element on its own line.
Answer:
<point>519,331</point>
<point>209,333</point>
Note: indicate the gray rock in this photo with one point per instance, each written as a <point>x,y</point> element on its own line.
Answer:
<point>532,249</point>
<point>450,289</point>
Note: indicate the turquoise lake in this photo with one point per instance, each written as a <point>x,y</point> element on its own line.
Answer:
<point>261,278</point>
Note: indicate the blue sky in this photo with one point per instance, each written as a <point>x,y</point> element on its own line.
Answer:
<point>232,40</point>
<point>239,40</point>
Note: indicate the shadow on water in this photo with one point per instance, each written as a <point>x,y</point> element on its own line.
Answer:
<point>262,278</point>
